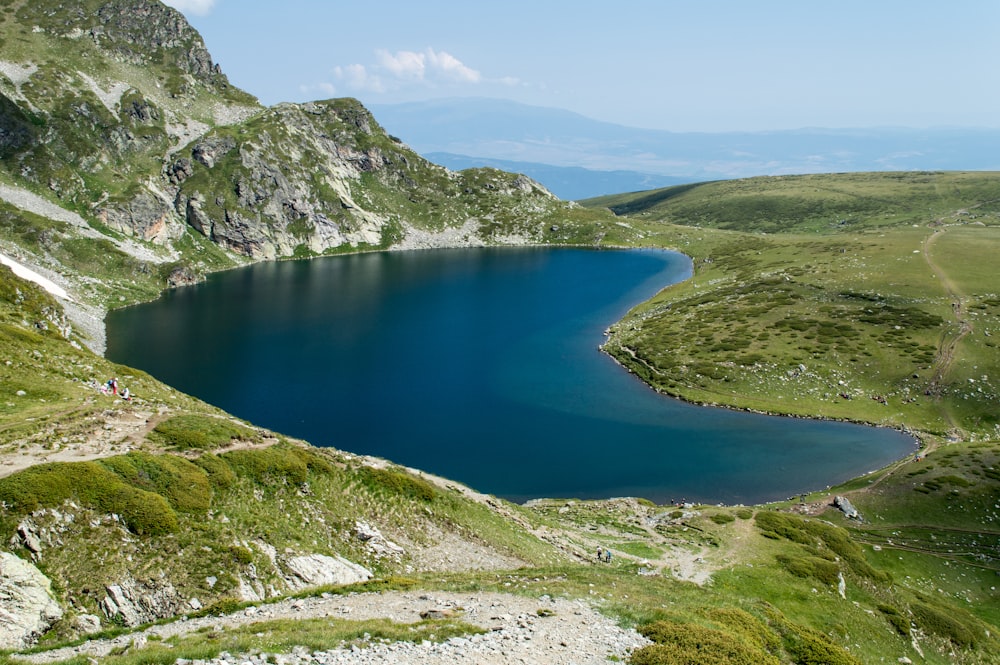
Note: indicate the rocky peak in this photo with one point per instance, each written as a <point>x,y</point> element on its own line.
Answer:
<point>133,31</point>
<point>144,28</point>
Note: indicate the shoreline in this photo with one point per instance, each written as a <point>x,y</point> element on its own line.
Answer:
<point>91,319</point>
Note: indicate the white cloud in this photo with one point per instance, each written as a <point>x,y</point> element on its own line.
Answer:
<point>357,77</point>
<point>405,68</point>
<point>196,7</point>
<point>451,67</point>
<point>325,89</point>
<point>405,65</point>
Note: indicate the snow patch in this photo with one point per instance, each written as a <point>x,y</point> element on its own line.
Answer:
<point>30,275</point>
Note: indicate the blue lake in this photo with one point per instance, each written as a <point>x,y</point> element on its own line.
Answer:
<point>480,365</point>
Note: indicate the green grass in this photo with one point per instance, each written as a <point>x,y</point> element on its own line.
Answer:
<point>845,321</point>
<point>829,295</point>
<point>200,432</point>
<point>282,636</point>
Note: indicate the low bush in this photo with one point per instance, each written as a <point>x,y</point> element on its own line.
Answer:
<point>948,623</point>
<point>812,532</point>
<point>692,644</point>
<point>194,431</point>
<point>394,482</point>
<point>183,484</point>
<point>722,518</point>
<point>894,617</point>
<point>805,645</point>
<point>91,484</point>
<point>810,648</point>
<point>268,466</point>
<point>747,625</point>
<point>220,476</point>
<point>825,571</point>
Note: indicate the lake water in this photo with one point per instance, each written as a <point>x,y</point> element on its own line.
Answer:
<point>480,365</point>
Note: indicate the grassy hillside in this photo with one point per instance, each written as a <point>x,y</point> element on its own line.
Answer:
<point>200,496</point>
<point>862,296</point>
<point>868,297</point>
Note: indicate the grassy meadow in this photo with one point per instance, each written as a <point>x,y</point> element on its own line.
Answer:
<point>889,318</point>
<point>877,305</point>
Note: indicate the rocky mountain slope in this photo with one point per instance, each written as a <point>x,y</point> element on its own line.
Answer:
<point>116,126</point>
<point>129,164</point>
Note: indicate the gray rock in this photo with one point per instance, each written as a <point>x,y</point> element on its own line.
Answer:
<point>27,609</point>
<point>846,507</point>
<point>137,603</point>
<point>30,539</point>
<point>87,623</point>
<point>319,569</point>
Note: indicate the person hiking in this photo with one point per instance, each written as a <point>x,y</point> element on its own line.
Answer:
<point>607,556</point>
<point>600,554</point>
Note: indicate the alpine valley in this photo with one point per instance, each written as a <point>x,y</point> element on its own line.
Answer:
<point>162,529</point>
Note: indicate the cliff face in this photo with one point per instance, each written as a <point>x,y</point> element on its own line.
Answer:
<point>304,179</point>
<point>116,109</point>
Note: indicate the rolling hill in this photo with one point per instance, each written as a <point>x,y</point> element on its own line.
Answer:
<point>160,529</point>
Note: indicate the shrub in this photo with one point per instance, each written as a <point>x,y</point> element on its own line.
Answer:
<point>220,476</point>
<point>722,518</point>
<point>399,483</point>
<point>810,532</point>
<point>945,622</point>
<point>809,648</point>
<point>811,566</point>
<point>199,432</point>
<point>692,644</point>
<point>747,625</point>
<point>222,607</point>
<point>268,466</point>
<point>93,485</point>
<point>314,460</point>
<point>781,525</point>
<point>894,617</point>
<point>183,484</point>
<point>241,556</point>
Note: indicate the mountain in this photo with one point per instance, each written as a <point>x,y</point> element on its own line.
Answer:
<point>114,113</point>
<point>505,130</point>
<point>160,529</point>
<point>570,183</point>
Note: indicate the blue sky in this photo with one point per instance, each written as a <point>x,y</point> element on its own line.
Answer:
<point>705,65</point>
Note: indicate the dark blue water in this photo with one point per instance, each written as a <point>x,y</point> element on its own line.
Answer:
<point>481,366</point>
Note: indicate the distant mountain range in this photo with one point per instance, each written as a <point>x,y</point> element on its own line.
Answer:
<point>567,182</point>
<point>462,132</point>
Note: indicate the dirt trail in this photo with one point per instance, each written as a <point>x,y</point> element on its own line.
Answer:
<point>945,357</point>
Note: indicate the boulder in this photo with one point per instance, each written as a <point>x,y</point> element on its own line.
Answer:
<point>377,544</point>
<point>87,623</point>
<point>137,603</point>
<point>846,507</point>
<point>319,569</point>
<point>27,608</point>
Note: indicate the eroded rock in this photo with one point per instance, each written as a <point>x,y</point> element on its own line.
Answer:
<point>27,608</point>
<point>319,569</point>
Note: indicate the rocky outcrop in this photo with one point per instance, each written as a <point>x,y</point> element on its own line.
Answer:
<point>845,506</point>
<point>134,31</point>
<point>27,608</point>
<point>286,183</point>
<point>16,130</point>
<point>146,216</point>
<point>135,603</point>
<point>378,545</point>
<point>319,569</point>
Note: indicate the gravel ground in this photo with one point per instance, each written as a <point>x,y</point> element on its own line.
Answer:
<point>574,633</point>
